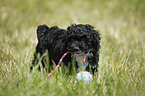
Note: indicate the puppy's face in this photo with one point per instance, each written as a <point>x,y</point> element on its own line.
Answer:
<point>79,44</point>
<point>82,39</point>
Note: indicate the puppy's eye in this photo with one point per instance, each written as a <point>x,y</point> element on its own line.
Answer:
<point>78,38</point>
<point>75,39</point>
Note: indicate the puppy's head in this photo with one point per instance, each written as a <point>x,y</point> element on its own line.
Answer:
<point>82,39</point>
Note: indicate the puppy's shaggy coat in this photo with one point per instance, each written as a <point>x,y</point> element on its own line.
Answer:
<point>77,39</point>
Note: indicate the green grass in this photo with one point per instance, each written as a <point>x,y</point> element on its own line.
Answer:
<point>121,70</point>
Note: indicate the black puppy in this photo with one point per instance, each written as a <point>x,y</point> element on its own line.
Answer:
<point>77,39</point>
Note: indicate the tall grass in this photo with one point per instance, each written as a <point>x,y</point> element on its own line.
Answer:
<point>121,70</point>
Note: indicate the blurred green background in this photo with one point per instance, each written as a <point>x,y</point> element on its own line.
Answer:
<point>122,56</point>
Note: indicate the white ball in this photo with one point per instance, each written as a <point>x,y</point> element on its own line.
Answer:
<point>84,75</point>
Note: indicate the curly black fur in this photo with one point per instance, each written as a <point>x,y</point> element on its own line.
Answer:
<point>77,39</point>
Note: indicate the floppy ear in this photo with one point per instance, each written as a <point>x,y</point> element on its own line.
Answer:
<point>95,37</point>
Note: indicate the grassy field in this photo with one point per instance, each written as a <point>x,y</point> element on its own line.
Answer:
<point>121,70</point>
